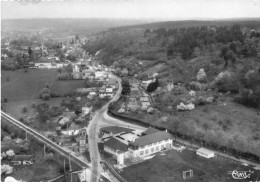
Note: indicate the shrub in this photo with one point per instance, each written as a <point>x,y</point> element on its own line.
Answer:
<point>24,109</point>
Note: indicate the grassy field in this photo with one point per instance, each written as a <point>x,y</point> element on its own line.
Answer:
<point>169,167</point>
<point>65,87</point>
<point>21,90</point>
<point>18,85</point>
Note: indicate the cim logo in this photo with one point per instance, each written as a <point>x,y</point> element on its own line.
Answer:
<point>241,174</point>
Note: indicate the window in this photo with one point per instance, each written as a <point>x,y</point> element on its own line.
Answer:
<point>146,151</point>
<point>162,147</point>
<point>142,152</point>
<point>152,149</point>
<point>157,148</point>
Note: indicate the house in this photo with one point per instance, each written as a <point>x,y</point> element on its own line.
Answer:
<point>73,129</point>
<point>100,73</point>
<point>65,141</point>
<point>22,160</point>
<point>205,153</point>
<point>109,89</point>
<point>87,110</point>
<point>116,148</point>
<point>112,83</point>
<point>92,94</point>
<point>149,144</point>
<point>44,62</point>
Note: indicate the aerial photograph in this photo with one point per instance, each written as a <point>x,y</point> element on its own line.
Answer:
<point>130,91</point>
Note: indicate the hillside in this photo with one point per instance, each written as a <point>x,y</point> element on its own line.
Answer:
<point>219,61</point>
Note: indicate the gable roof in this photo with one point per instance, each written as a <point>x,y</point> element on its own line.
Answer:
<point>22,157</point>
<point>116,144</point>
<point>150,130</point>
<point>115,129</point>
<point>151,138</point>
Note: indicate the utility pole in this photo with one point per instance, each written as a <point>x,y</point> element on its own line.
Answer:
<point>26,137</point>
<point>44,152</point>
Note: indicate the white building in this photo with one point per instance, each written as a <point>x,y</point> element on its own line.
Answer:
<point>99,74</point>
<point>205,153</point>
<point>151,143</point>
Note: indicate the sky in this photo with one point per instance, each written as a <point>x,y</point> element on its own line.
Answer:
<point>132,9</point>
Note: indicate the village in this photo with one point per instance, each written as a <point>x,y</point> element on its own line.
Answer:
<point>125,119</point>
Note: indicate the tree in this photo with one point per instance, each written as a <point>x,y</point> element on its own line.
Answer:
<point>43,112</point>
<point>125,87</point>
<point>201,76</point>
<point>153,86</point>
<point>45,93</point>
<point>10,153</point>
<point>6,169</point>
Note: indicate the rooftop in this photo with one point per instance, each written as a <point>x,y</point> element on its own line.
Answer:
<point>116,144</point>
<point>150,131</point>
<point>115,129</point>
<point>151,138</point>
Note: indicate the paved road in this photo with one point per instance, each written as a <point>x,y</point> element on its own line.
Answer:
<point>93,130</point>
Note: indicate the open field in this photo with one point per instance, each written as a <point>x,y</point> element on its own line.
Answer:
<point>18,85</point>
<point>21,90</point>
<point>168,167</point>
<point>64,87</point>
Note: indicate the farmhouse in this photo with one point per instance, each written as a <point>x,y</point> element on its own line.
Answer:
<point>205,153</point>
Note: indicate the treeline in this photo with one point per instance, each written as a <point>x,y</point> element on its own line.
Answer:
<point>196,140</point>
<point>183,41</point>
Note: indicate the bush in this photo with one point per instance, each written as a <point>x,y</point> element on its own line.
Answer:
<point>46,96</point>
<point>45,93</point>
<point>24,110</point>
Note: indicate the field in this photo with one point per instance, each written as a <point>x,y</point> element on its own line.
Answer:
<point>18,85</point>
<point>65,87</point>
<point>21,89</point>
<point>169,166</point>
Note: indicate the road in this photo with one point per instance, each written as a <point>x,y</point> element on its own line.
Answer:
<point>93,129</point>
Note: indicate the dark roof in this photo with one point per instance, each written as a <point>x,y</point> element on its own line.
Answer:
<point>115,129</point>
<point>22,157</point>
<point>116,144</point>
<point>150,131</point>
<point>151,138</point>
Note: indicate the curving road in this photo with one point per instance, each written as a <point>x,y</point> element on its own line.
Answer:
<point>93,130</point>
